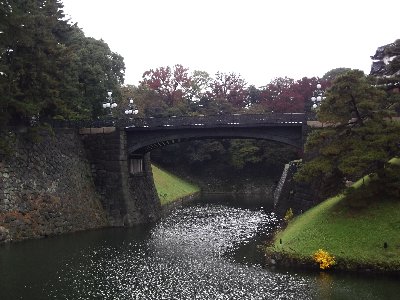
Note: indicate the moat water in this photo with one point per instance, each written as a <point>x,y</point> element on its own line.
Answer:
<point>206,250</point>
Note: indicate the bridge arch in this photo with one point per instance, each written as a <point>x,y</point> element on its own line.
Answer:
<point>145,135</point>
<point>143,141</point>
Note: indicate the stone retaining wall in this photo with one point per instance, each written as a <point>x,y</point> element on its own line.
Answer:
<point>297,196</point>
<point>46,188</point>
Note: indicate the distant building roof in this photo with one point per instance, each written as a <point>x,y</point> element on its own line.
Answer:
<point>378,68</point>
<point>380,53</point>
<point>382,57</point>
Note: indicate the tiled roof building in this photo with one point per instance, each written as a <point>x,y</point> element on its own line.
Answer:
<point>384,56</point>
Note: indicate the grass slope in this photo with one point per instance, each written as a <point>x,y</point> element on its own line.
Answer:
<point>171,188</point>
<point>355,237</point>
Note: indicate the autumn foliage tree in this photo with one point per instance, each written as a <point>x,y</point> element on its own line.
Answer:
<point>172,84</point>
<point>186,93</point>
<point>283,95</point>
<point>228,91</point>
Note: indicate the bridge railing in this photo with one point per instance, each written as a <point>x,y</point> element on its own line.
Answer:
<point>79,123</point>
<point>219,120</point>
<point>186,121</point>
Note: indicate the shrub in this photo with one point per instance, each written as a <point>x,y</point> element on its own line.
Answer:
<point>324,259</point>
<point>288,215</point>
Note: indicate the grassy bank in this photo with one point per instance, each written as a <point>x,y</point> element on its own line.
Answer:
<point>358,238</point>
<point>171,188</point>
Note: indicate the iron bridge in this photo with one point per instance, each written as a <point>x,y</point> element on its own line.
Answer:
<point>147,134</point>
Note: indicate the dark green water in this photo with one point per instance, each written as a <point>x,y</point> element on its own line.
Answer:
<point>202,251</point>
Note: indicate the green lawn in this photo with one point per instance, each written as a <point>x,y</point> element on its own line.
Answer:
<point>171,188</point>
<point>354,236</point>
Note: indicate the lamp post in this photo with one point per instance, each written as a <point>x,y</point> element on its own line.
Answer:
<point>109,104</point>
<point>318,96</point>
<point>132,109</point>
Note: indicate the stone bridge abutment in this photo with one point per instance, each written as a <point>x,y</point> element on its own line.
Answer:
<point>128,197</point>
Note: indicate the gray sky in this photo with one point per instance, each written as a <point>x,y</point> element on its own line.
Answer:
<point>259,39</point>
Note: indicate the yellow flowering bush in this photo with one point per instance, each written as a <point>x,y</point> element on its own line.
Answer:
<point>288,215</point>
<point>324,259</point>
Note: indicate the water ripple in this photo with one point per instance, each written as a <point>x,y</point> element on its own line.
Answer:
<point>184,258</point>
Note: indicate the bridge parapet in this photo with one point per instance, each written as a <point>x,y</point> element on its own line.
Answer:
<point>241,120</point>
<point>217,120</point>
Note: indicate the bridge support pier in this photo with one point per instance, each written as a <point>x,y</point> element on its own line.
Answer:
<point>124,183</point>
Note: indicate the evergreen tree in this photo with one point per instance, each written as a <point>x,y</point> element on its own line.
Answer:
<point>48,68</point>
<point>32,59</point>
<point>359,136</point>
<point>98,70</point>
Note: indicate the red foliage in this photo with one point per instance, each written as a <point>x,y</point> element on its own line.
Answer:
<point>171,85</point>
<point>228,93</point>
<point>229,87</point>
<point>288,95</point>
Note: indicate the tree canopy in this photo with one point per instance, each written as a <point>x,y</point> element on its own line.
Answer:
<point>186,93</point>
<point>48,68</point>
<point>359,136</point>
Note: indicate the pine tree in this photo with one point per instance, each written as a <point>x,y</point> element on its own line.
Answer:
<point>359,136</point>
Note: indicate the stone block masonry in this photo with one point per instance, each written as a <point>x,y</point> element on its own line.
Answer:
<point>291,194</point>
<point>46,188</point>
<point>127,199</point>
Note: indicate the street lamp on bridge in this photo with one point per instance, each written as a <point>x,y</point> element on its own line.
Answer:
<point>109,104</point>
<point>318,96</point>
<point>132,108</point>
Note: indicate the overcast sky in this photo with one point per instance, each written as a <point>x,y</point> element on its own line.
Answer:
<point>259,39</point>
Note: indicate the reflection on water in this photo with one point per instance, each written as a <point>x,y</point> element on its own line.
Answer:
<point>185,257</point>
<point>203,251</point>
